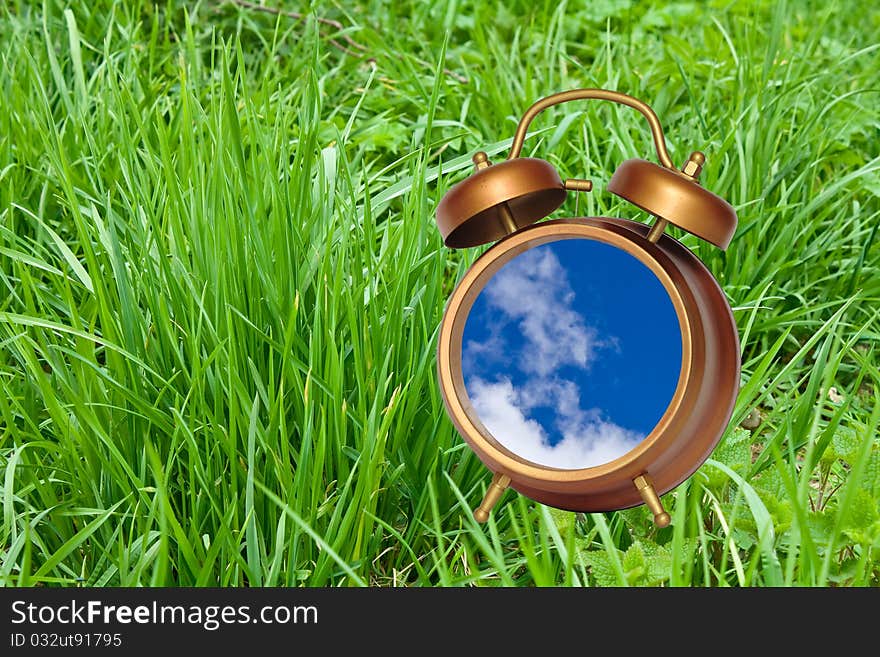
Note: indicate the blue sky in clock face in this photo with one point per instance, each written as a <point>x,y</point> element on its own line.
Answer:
<point>571,353</point>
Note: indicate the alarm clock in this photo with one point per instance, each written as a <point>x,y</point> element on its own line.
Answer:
<point>591,363</point>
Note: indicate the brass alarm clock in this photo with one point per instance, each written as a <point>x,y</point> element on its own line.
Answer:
<point>591,363</point>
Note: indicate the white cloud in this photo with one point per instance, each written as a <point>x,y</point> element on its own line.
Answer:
<point>587,439</point>
<point>533,290</point>
<point>491,350</point>
<point>496,404</point>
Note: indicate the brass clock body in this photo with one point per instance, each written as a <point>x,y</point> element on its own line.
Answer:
<point>502,203</point>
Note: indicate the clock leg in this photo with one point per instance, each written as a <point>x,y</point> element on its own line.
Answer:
<point>652,500</point>
<point>499,484</point>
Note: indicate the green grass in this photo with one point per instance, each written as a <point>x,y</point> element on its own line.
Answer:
<point>222,285</point>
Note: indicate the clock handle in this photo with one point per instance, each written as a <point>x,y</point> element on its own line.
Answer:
<point>593,94</point>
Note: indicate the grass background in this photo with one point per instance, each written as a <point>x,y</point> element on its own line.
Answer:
<point>221,286</point>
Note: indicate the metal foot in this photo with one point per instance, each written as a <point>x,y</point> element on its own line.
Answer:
<point>499,484</point>
<point>646,489</point>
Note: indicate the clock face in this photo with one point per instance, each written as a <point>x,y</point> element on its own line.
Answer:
<point>571,353</point>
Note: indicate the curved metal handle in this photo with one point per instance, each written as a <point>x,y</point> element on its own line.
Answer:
<point>597,94</point>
